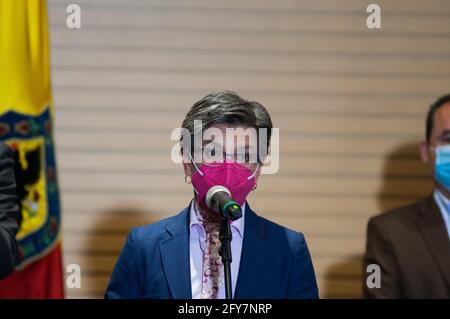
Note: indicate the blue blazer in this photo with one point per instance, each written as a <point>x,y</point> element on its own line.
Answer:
<point>154,263</point>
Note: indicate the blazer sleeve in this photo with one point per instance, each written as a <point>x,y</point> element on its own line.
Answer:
<point>124,281</point>
<point>303,283</point>
<point>379,251</point>
<point>9,212</point>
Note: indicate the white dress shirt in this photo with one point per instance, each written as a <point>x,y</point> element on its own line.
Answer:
<point>444,206</point>
<point>197,244</point>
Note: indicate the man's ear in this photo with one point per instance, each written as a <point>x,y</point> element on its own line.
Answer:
<point>424,151</point>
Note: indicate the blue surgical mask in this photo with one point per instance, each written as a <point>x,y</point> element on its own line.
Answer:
<point>442,166</point>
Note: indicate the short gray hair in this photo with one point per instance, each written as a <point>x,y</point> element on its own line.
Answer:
<point>229,108</point>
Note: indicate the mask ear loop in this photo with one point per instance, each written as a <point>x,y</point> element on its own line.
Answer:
<point>254,173</point>
<point>192,161</point>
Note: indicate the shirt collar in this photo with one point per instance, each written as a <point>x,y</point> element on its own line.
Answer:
<point>238,224</point>
<point>443,199</point>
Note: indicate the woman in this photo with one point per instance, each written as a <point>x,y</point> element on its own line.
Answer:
<point>179,257</point>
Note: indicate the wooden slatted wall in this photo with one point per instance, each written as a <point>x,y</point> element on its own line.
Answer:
<point>350,104</point>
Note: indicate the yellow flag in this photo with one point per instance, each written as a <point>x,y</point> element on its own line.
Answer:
<point>26,122</point>
<point>24,57</point>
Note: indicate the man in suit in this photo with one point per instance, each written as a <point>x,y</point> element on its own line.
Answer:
<point>178,257</point>
<point>9,212</point>
<point>411,244</point>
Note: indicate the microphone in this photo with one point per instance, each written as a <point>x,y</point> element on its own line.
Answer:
<point>218,198</point>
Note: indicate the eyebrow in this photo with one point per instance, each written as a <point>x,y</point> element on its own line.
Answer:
<point>444,133</point>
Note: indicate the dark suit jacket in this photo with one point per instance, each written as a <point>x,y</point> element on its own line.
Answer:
<point>154,263</point>
<point>412,247</point>
<point>9,212</point>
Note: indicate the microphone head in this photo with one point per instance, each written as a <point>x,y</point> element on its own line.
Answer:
<point>212,191</point>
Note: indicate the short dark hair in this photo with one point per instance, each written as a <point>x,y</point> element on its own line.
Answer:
<point>227,107</point>
<point>430,116</point>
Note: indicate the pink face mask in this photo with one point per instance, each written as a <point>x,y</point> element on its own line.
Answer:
<point>236,177</point>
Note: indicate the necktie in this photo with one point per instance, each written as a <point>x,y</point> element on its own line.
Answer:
<point>212,262</point>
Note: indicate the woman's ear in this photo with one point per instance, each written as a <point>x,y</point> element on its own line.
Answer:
<point>186,163</point>
<point>187,169</point>
<point>424,151</point>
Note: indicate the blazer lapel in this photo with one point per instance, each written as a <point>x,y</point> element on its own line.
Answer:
<point>254,255</point>
<point>175,256</point>
<point>431,225</point>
